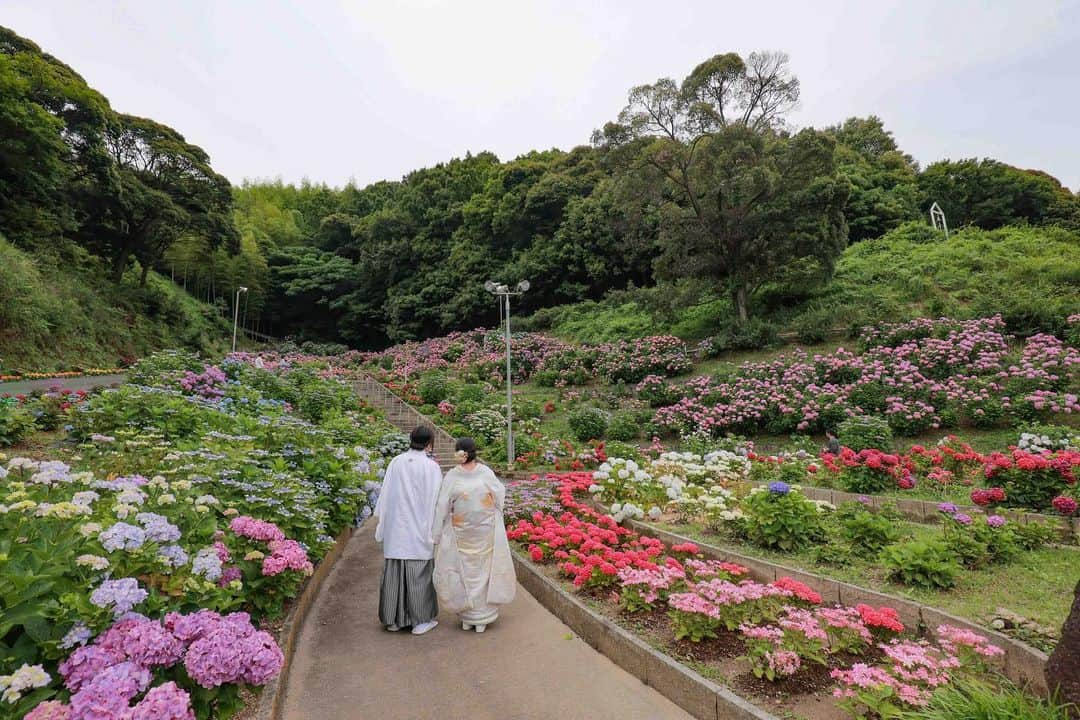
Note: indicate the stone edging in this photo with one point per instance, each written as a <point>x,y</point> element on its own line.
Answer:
<point>272,698</point>
<point>1022,663</point>
<point>926,510</point>
<point>699,696</point>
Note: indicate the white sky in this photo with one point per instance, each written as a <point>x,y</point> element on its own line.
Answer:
<point>371,90</point>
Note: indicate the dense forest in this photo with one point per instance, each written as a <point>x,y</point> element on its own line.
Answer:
<point>699,187</point>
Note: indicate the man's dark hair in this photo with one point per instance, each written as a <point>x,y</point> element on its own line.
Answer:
<point>420,437</point>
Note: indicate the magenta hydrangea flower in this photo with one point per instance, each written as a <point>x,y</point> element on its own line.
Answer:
<point>265,658</point>
<point>285,555</point>
<point>189,628</point>
<point>149,644</point>
<point>249,527</point>
<point>164,702</point>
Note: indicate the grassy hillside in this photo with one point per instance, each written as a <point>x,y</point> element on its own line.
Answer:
<point>1029,275</point>
<point>59,312</point>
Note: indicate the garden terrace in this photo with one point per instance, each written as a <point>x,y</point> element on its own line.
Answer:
<point>774,641</point>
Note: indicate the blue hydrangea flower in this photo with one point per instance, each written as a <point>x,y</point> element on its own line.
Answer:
<point>779,488</point>
<point>158,528</point>
<point>174,554</point>
<point>207,564</point>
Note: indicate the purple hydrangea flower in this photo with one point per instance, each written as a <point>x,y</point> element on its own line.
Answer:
<point>122,536</point>
<point>85,663</point>
<point>79,634</point>
<point>158,528</point>
<point>962,518</point>
<point>119,595</point>
<point>995,521</point>
<point>779,488</point>
<point>107,695</point>
<point>947,508</point>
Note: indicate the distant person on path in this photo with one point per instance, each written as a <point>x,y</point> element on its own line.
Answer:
<point>404,510</point>
<point>474,573</point>
<point>833,444</point>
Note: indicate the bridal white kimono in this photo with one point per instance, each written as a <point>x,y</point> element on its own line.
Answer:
<point>474,573</point>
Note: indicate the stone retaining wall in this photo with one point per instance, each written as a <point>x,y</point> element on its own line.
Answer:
<point>272,699</point>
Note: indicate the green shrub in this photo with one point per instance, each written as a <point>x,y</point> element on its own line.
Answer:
<point>588,423</point>
<point>526,409</point>
<point>155,368</point>
<point>836,554</point>
<point>624,426</point>
<point>864,431</point>
<point>624,450</point>
<point>15,423</point>
<point>470,392</point>
<point>780,519</point>
<point>921,563</point>
<point>865,530</point>
<point>433,388</point>
<point>1032,536</point>
<point>813,327</point>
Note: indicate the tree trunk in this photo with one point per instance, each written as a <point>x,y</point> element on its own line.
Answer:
<point>119,266</point>
<point>145,272</point>
<point>740,298</point>
<point>1063,667</point>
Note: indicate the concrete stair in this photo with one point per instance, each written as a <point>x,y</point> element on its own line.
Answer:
<point>404,416</point>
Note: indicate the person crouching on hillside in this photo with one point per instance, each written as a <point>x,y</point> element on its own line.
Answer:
<point>404,510</point>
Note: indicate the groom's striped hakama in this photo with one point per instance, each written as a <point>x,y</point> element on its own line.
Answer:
<point>406,594</point>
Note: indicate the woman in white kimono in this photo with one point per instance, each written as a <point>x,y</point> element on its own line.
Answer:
<point>473,570</point>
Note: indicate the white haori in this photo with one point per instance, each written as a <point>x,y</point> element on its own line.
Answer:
<point>406,506</point>
<point>474,572</point>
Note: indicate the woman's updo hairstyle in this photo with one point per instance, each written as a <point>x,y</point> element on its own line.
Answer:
<point>465,450</point>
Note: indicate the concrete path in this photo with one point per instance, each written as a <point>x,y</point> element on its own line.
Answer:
<point>346,667</point>
<point>85,382</point>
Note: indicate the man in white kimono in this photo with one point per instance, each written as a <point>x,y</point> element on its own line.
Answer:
<point>405,510</point>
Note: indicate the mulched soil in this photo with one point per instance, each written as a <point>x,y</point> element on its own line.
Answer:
<point>810,679</point>
<point>726,645</point>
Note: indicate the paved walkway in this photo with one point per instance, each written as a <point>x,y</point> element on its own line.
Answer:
<point>85,382</point>
<point>346,667</point>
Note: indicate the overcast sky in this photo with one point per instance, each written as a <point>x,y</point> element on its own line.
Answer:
<point>370,90</point>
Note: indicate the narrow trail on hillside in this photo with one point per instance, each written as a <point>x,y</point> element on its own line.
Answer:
<point>527,666</point>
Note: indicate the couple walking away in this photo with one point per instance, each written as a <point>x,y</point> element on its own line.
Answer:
<point>443,539</point>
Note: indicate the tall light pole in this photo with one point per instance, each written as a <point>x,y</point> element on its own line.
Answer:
<point>236,315</point>
<point>503,293</point>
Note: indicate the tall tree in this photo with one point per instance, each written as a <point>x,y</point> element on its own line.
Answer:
<point>884,180</point>
<point>739,198</point>
<point>166,190</point>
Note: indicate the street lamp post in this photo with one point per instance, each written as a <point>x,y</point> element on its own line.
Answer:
<point>503,293</point>
<point>236,315</point>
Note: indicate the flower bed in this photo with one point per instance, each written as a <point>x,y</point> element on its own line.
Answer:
<point>774,633</point>
<point>137,571</point>
<point>1042,481</point>
<point>940,374</point>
